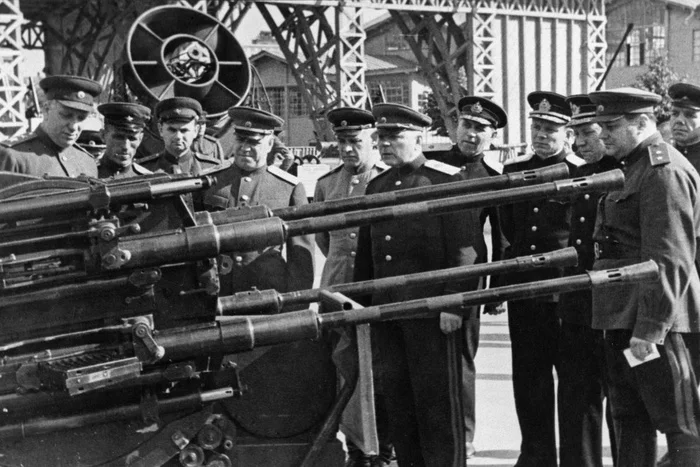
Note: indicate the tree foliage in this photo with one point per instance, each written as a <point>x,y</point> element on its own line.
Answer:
<point>658,77</point>
<point>432,110</point>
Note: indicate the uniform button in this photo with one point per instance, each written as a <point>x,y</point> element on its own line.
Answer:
<point>247,179</point>
<point>586,196</point>
<point>535,209</point>
<point>387,238</point>
<point>533,247</point>
<point>64,158</point>
<point>245,198</point>
<point>355,181</point>
<point>387,257</point>
<point>353,254</point>
<point>582,219</point>
<point>398,182</point>
<point>534,228</point>
<point>578,241</point>
<point>239,259</point>
<point>353,235</point>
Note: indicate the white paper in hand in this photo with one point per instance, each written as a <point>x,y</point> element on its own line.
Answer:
<point>634,361</point>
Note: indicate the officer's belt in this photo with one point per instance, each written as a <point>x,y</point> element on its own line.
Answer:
<point>614,250</point>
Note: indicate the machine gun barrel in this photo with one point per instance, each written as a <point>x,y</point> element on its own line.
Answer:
<point>207,241</point>
<point>411,195</point>
<point>272,302</point>
<point>129,190</point>
<point>242,333</point>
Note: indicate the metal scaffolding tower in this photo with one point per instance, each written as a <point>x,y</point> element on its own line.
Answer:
<point>13,120</point>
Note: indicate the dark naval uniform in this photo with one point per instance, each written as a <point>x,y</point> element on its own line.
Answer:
<point>37,154</point>
<point>655,216</point>
<point>531,227</point>
<point>266,269</point>
<point>686,96</point>
<point>420,369</point>
<point>692,153</point>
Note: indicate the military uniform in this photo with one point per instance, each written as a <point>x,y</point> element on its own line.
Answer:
<point>581,390</point>
<point>655,216</point>
<point>109,169</point>
<point>687,96</point>
<point>129,119</point>
<point>488,113</point>
<point>420,371</point>
<point>532,227</point>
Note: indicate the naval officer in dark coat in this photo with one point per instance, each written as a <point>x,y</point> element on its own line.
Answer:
<point>52,149</point>
<point>122,133</point>
<point>653,217</point>
<point>685,120</point>
<point>420,365</point>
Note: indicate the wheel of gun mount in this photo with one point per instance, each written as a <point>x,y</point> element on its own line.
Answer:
<point>175,51</point>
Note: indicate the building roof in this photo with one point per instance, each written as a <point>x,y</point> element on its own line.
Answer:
<point>692,4</point>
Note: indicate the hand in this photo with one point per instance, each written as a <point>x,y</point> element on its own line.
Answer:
<point>450,322</point>
<point>495,308</point>
<point>641,349</point>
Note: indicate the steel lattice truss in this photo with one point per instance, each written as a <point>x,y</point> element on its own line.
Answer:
<point>12,118</point>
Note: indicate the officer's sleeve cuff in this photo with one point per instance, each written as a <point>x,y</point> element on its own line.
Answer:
<point>651,331</point>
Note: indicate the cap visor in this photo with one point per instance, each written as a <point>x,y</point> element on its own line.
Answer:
<point>473,118</point>
<point>581,121</point>
<point>549,117</point>
<point>78,106</point>
<point>606,118</point>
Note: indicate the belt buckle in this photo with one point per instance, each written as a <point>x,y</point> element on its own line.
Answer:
<point>597,250</point>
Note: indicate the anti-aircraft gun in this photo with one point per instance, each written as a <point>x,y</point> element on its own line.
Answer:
<point>115,345</point>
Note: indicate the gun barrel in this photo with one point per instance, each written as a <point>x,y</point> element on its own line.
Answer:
<point>271,302</point>
<point>411,195</point>
<point>242,333</point>
<point>119,192</point>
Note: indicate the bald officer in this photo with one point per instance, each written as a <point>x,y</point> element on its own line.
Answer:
<point>685,120</point>
<point>250,182</point>
<point>178,124</point>
<point>653,217</point>
<point>531,227</point>
<point>479,121</point>
<point>581,372</point>
<point>52,149</point>
<point>122,133</point>
<point>420,368</point>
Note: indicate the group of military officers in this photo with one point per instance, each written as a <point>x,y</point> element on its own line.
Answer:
<point>425,374</point>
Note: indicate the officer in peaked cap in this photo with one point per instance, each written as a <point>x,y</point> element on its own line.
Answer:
<point>356,136</point>
<point>52,149</point>
<point>531,227</point>
<point>479,121</point>
<point>178,121</point>
<point>653,217</point>
<point>249,181</point>
<point>685,120</point>
<point>123,131</point>
<point>581,371</point>
<point>431,384</point>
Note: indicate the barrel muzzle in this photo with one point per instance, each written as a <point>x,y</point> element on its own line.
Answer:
<point>558,258</point>
<point>543,175</point>
<point>597,183</point>
<point>647,271</point>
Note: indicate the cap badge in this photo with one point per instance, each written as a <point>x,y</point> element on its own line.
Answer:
<point>575,109</point>
<point>477,108</point>
<point>344,123</point>
<point>544,106</point>
<point>81,95</point>
<point>248,124</point>
<point>383,119</point>
<point>129,118</point>
<point>600,109</point>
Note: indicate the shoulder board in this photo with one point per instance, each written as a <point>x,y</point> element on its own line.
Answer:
<point>286,176</point>
<point>491,160</point>
<point>381,166</point>
<point>83,150</point>
<point>437,147</point>
<point>442,167</point>
<point>658,154</point>
<point>206,158</point>
<point>150,158</point>
<point>332,171</point>
<point>141,170</point>
<point>18,140</point>
<point>518,159</point>
<point>573,159</point>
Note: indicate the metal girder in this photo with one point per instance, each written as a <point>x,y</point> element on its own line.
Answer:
<point>32,35</point>
<point>13,120</point>
<point>351,89</point>
<point>596,45</point>
<point>229,12</point>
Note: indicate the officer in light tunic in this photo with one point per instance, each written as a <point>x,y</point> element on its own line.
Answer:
<point>52,149</point>
<point>420,365</point>
<point>123,131</point>
<point>685,120</point>
<point>653,217</point>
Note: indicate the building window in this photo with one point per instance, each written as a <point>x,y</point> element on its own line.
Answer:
<point>696,45</point>
<point>276,95</point>
<point>656,40</point>
<point>635,49</point>
<point>297,104</point>
<point>394,91</point>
